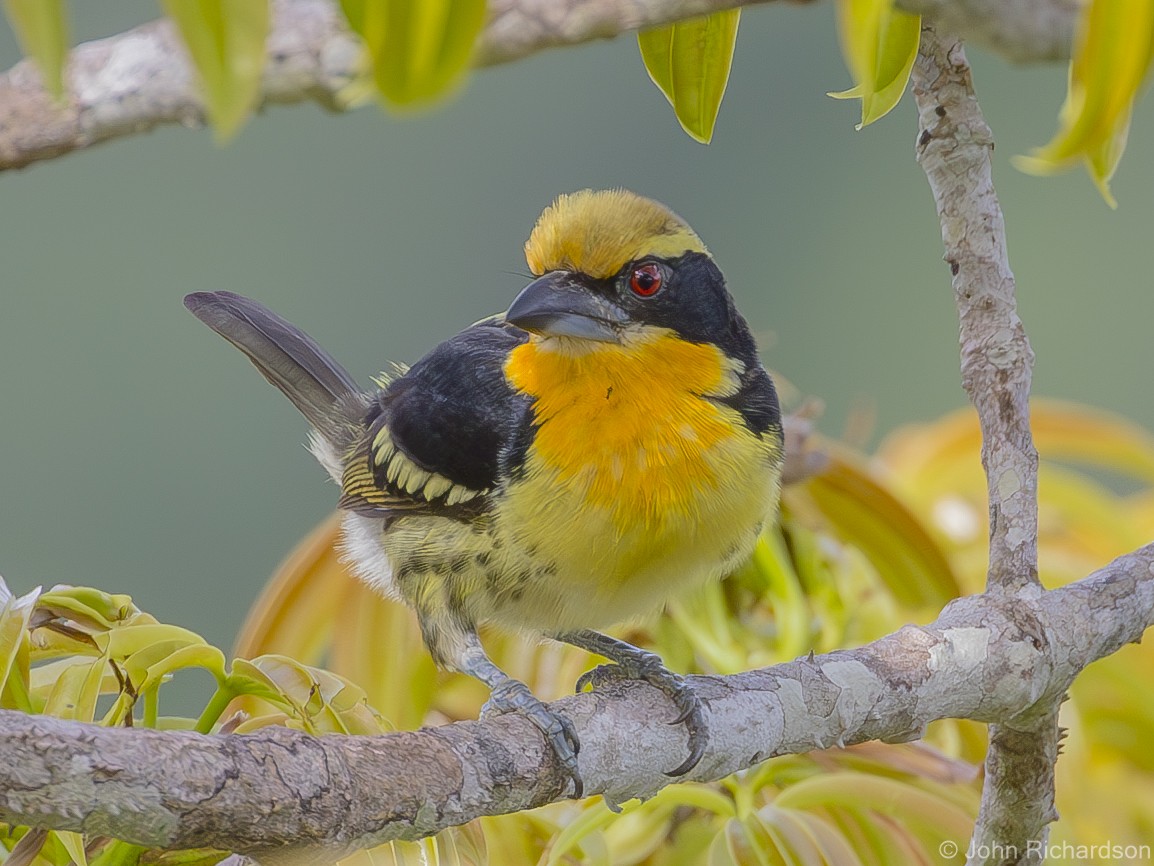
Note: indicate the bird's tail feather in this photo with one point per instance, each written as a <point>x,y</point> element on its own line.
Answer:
<point>285,355</point>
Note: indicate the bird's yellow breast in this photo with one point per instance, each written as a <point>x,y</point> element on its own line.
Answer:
<point>629,426</point>
<point>636,483</point>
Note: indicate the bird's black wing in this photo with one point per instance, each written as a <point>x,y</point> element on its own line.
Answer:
<point>434,436</point>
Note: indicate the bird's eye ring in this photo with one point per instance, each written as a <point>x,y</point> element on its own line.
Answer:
<point>646,280</point>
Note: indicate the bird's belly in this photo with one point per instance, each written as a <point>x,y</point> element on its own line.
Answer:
<point>559,553</point>
<point>600,563</point>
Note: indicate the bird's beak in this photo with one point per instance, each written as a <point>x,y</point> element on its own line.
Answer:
<point>560,304</point>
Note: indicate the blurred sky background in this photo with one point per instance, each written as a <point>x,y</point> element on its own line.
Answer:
<point>142,454</point>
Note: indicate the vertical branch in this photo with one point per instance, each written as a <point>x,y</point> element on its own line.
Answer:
<point>954,148</point>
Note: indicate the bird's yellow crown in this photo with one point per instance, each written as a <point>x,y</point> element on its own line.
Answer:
<point>598,232</point>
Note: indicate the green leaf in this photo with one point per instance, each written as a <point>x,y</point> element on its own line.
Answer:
<point>690,62</point>
<point>74,694</point>
<point>120,643</point>
<point>879,45</point>
<point>45,677</point>
<point>226,40</point>
<point>74,844</point>
<point>246,678</point>
<point>323,701</point>
<point>117,853</point>
<point>187,857</point>
<point>87,607</point>
<point>147,667</point>
<point>419,49</point>
<point>14,616</point>
<point>42,28</point>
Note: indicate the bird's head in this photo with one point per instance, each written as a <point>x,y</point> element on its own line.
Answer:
<point>612,267</point>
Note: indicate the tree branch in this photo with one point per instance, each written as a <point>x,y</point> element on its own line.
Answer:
<point>133,82</point>
<point>954,147</point>
<point>987,657</point>
<point>1025,31</point>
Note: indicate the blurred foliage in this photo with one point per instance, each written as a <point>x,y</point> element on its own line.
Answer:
<point>42,27</point>
<point>1112,54</point>
<point>417,51</point>
<point>863,547</point>
<point>226,41</point>
<point>879,44</point>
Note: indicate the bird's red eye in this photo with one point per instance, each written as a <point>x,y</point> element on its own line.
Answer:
<point>646,280</point>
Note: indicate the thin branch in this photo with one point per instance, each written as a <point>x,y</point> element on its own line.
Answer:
<point>1025,31</point>
<point>987,657</point>
<point>133,82</point>
<point>955,147</point>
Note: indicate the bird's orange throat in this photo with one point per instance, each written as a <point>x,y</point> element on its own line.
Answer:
<point>631,425</point>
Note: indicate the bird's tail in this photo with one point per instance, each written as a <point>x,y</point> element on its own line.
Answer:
<point>309,376</point>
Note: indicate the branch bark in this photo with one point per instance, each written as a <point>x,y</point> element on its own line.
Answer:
<point>955,147</point>
<point>283,796</point>
<point>1025,31</point>
<point>133,82</point>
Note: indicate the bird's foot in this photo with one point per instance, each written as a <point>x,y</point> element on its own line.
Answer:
<point>513,696</point>
<point>648,667</point>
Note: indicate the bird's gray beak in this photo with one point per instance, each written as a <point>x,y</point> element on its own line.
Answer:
<point>562,304</point>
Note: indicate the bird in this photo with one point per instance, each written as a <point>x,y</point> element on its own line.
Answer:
<point>609,442</point>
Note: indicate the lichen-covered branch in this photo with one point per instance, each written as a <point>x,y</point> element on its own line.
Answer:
<point>135,81</point>
<point>279,794</point>
<point>954,147</point>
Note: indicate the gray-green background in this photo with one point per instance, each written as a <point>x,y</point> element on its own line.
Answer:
<point>140,453</point>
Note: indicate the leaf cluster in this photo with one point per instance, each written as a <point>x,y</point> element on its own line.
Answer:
<point>417,51</point>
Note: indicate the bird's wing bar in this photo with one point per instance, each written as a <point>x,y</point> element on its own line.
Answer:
<point>436,439</point>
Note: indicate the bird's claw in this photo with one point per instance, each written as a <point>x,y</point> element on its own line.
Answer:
<point>601,675</point>
<point>513,696</point>
<point>649,668</point>
<point>692,715</point>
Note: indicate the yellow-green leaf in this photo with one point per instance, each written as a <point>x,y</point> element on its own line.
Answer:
<point>1112,56</point>
<point>226,40</point>
<point>42,28</point>
<point>74,694</point>
<point>118,853</point>
<point>246,678</point>
<point>148,667</point>
<point>87,607</point>
<point>14,615</point>
<point>879,44</point>
<point>44,678</point>
<point>187,857</point>
<point>74,844</point>
<point>122,642</point>
<point>690,62</point>
<point>324,702</point>
<point>419,49</point>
